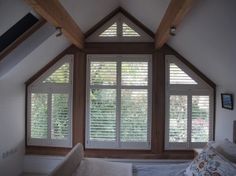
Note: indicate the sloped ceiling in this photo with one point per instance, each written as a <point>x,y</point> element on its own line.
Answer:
<point>88,12</point>
<point>206,35</point>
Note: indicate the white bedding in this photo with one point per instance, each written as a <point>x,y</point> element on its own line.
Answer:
<point>99,167</point>
<point>160,169</point>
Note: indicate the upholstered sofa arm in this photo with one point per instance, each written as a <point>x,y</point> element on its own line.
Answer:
<point>70,163</point>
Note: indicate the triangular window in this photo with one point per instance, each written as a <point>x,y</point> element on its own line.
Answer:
<point>60,75</point>
<point>119,29</point>
<point>49,106</point>
<point>127,31</point>
<point>178,76</point>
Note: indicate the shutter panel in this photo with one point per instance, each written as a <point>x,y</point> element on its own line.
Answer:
<point>102,126</point>
<point>134,115</point>
<point>178,76</point>
<point>49,100</point>
<point>134,73</point>
<point>60,116</point>
<point>103,73</point>
<point>200,118</point>
<point>127,31</point>
<point>39,115</point>
<point>110,32</point>
<point>61,75</point>
<point>178,118</point>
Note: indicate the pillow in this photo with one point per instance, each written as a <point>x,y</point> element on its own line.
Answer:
<point>225,148</point>
<point>210,162</point>
<point>70,163</point>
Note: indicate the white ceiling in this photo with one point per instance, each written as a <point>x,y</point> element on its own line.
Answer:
<point>89,12</point>
<point>206,37</point>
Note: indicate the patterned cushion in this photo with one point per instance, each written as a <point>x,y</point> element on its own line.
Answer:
<point>210,163</point>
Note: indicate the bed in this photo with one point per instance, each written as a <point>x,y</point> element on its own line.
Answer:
<point>215,159</point>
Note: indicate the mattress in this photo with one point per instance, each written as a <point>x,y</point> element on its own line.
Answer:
<point>160,169</point>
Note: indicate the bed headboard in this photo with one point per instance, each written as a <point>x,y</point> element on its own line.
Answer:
<point>234,132</point>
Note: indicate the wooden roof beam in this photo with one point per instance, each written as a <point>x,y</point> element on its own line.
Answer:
<point>56,14</point>
<point>174,14</point>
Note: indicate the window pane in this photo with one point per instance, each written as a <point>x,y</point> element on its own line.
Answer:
<point>178,119</point>
<point>128,31</point>
<point>110,32</point>
<point>60,116</point>
<point>103,73</point>
<point>200,118</point>
<point>39,116</point>
<point>178,76</point>
<point>103,114</point>
<point>134,115</point>
<point>61,75</point>
<point>134,73</point>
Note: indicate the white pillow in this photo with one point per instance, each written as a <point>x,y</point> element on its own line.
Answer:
<point>210,162</point>
<point>225,148</point>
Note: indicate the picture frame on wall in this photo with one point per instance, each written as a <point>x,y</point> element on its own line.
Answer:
<point>227,101</point>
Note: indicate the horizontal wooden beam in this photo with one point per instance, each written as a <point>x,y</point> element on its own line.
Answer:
<point>175,12</point>
<point>56,14</point>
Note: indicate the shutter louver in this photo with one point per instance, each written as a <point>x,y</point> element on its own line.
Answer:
<point>178,119</point>
<point>134,115</point>
<point>134,73</point>
<point>39,115</point>
<point>103,73</point>
<point>178,76</point>
<point>102,115</point>
<point>61,75</point>
<point>110,32</point>
<point>60,116</point>
<point>127,31</point>
<point>200,118</point>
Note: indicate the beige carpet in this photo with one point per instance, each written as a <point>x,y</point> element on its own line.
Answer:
<point>99,167</point>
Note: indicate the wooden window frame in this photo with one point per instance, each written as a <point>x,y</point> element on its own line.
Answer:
<point>157,150</point>
<point>119,58</point>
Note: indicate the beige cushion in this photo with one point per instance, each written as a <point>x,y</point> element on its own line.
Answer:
<point>70,163</point>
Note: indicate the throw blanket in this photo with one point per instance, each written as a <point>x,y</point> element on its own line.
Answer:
<point>99,167</point>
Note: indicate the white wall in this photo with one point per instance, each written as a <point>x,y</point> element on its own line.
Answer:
<point>12,103</point>
<point>206,37</point>
<point>11,11</point>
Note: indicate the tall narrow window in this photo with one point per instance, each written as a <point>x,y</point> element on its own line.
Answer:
<point>49,106</point>
<point>118,101</point>
<point>189,105</point>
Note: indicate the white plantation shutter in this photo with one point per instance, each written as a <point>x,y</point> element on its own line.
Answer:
<point>61,75</point>
<point>127,31</point>
<point>189,107</point>
<point>134,115</point>
<point>200,118</point>
<point>39,115</point>
<point>103,115</point>
<point>118,103</point>
<point>119,29</point>
<point>110,32</point>
<point>50,107</point>
<point>178,76</point>
<point>178,118</point>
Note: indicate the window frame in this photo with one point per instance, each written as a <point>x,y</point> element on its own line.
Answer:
<point>119,58</point>
<point>189,90</point>
<point>37,86</point>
